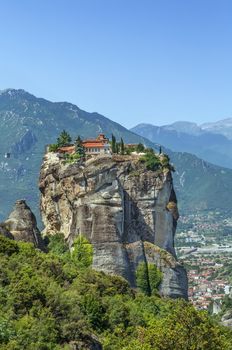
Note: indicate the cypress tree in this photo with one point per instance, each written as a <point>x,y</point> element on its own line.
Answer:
<point>79,149</point>
<point>122,147</point>
<point>113,144</point>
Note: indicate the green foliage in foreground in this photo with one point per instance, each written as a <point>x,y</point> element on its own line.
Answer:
<point>48,302</point>
<point>148,278</point>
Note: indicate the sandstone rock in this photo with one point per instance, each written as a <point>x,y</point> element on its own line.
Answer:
<point>22,224</point>
<point>120,207</point>
<point>226,319</point>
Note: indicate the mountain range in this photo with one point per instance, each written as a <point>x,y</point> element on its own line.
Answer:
<point>211,142</point>
<point>28,124</point>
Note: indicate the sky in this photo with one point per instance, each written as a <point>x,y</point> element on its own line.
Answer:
<point>134,61</point>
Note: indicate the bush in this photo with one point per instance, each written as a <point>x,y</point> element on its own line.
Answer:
<point>72,158</point>
<point>8,246</point>
<point>152,161</point>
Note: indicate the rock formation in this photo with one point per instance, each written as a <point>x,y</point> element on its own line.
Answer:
<point>21,224</point>
<point>5,232</point>
<point>127,212</point>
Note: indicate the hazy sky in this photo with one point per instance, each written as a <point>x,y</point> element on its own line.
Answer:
<point>130,60</point>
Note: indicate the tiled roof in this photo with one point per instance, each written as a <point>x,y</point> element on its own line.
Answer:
<point>66,149</point>
<point>93,144</point>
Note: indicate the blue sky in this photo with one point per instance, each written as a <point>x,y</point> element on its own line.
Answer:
<point>130,60</point>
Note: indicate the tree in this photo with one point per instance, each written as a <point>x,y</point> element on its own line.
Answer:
<point>64,139</point>
<point>122,147</point>
<point>140,148</point>
<point>113,144</point>
<point>57,244</point>
<point>82,253</point>
<point>142,278</point>
<point>160,150</point>
<point>79,148</point>
<point>155,277</point>
<point>117,147</point>
<point>53,147</point>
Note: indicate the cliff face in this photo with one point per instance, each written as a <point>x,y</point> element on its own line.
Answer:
<point>128,213</point>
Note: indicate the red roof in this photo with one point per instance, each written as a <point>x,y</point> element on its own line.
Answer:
<point>91,144</point>
<point>99,142</point>
<point>66,149</point>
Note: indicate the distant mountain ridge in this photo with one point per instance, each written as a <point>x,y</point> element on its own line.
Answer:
<point>28,123</point>
<point>207,141</point>
<point>223,127</point>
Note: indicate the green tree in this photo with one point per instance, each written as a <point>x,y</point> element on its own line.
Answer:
<point>79,148</point>
<point>142,278</point>
<point>57,244</point>
<point>155,277</point>
<point>122,146</point>
<point>113,143</point>
<point>94,310</point>
<point>82,252</point>
<point>53,147</point>
<point>64,139</point>
<point>140,148</point>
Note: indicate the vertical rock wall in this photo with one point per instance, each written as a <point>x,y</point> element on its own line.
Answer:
<point>120,207</point>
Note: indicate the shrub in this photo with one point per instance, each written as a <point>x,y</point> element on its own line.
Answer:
<point>152,161</point>
<point>8,246</point>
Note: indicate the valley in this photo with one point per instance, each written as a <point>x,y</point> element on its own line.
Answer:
<point>204,245</point>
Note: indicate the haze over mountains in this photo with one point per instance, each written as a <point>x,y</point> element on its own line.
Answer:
<point>28,123</point>
<point>210,141</point>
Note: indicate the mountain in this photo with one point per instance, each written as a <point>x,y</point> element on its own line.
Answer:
<point>184,127</point>
<point>28,123</point>
<point>189,137</point>
<point>223,127</point>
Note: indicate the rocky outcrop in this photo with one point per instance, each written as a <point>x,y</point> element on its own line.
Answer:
<point>128,213</point>
<point>226,319</point>
<point>5,232</point>
<point>21,224</point>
